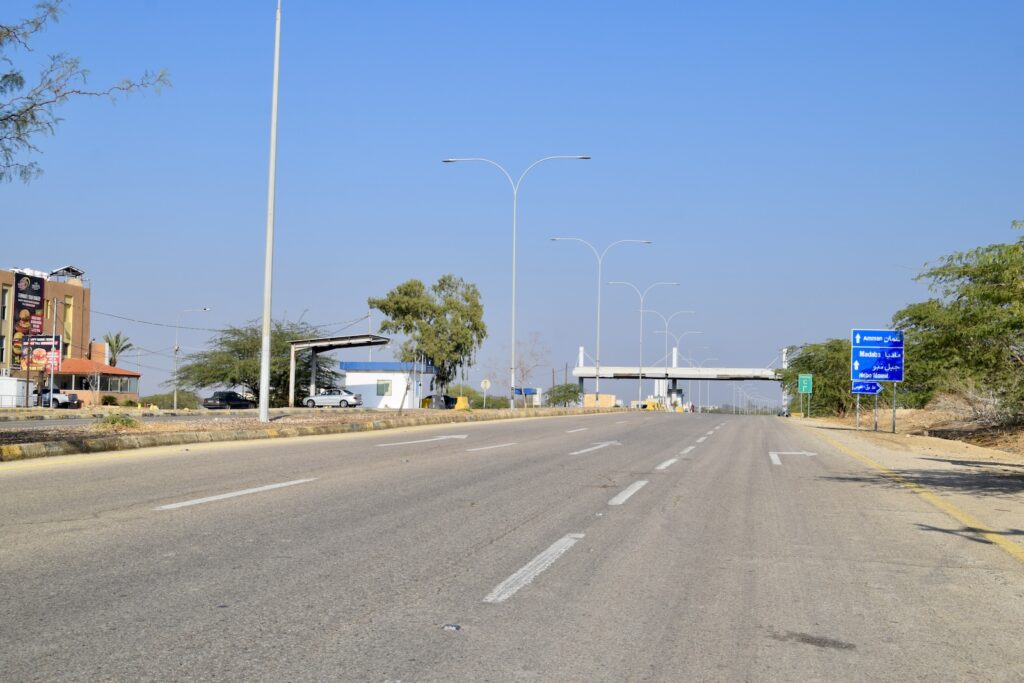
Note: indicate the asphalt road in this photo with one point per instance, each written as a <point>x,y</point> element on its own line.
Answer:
<point>609,547</point>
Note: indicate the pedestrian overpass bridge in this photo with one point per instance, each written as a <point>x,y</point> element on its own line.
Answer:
<point>583,372</point>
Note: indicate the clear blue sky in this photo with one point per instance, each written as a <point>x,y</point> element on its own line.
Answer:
<point>794,163</point>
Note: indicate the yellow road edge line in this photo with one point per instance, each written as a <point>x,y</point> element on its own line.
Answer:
<point>1011,548</point>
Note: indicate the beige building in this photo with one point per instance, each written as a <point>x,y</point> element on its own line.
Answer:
<point>62,294</point>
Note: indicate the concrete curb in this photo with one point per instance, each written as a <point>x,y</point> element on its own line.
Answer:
<point>120,442</point>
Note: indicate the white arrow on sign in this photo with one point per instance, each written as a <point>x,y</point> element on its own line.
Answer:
<point>857,337</point>
<point>436,438</point>
<point>596,447</point>
<point>774,455</point>
<point>856,365</point>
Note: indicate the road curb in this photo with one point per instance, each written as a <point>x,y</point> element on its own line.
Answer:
<point>121,442</point>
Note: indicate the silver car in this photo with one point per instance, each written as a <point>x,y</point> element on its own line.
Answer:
<point>337,398</point>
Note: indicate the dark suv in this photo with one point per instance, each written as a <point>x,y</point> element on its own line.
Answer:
<point>227,399</point>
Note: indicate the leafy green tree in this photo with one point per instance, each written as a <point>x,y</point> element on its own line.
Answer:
<point>443,324</point>
<point>564,395</point>
<point>829,362</point>
<point>969,338</point>
<point>117,344</point>
<point>234,361</point>
<point>27,110</point>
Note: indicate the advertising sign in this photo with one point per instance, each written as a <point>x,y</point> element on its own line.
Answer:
<point>39,353</point>
<point>28,314</point>
<point>876,355</point>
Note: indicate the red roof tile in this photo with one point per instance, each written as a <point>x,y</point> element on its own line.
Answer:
<point>85,366</point>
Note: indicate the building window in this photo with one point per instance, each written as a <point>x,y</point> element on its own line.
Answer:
<point>3,349</point>
<point>383,387</point>
<point>5,295</point>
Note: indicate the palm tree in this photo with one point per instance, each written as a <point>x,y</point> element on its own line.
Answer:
<point>116,344</point>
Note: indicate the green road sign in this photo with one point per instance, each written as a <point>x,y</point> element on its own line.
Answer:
<point>805,384</point>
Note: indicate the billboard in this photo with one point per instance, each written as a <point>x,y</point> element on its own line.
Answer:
<point>28,314</point>
<point>39,353</point>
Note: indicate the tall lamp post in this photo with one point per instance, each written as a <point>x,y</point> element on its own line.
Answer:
<point>642,295</point>
<point>600,262</point>
<point>666,321</point>
<point>515,210</point>
<point>177,348</point>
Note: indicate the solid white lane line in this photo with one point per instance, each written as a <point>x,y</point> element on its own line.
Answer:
<point>596,447</point>
<point>711,433</point>
<point>487,448</point>
<point>507,588</point>
<point>436,438</point>
<point>624,496</point>
<point>775,458</point>
<point>573,431</point>
<point>210,499</point>
<point>687,450</point>
<point>702,439</point>
<point>668,463</point>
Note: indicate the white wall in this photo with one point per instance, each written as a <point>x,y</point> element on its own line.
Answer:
<point>365,383</point>
<point>12,392</point>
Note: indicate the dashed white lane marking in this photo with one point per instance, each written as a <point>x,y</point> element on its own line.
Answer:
<point>720,426</point>
<point>223,496</point>
<point>621,422</point>
<point>625,495</point>
<point>596,447</point>
<point>668,463</point>
<point>573,431</point>
<point>775,458</point>
<point>687,450</point>
<point>436,438</point>
<point>711,433</point>
<point>507,588</point>
<point>702,439</point>
<point>487,448</point>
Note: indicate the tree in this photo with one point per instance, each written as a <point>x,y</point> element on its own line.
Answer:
<point>969,339</point>
<point>28,110</point>
<point>829,362</point>
<point>444,324</point>
<point>234,361</point>
<point>530,355</point>
<point>117,344</point>
<point>564,395</point>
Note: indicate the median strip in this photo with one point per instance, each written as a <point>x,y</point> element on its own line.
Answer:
<point>233,494</point>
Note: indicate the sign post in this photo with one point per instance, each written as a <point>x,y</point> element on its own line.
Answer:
<point>805,385</point>
<point>485,384</point>
<point>859,388</point>
<point>876,356</point>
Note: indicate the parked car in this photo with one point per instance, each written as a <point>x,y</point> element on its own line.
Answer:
<point>440,401</point>
<point>227,399</point>
<point>338,398</point>
<point>58,400</point>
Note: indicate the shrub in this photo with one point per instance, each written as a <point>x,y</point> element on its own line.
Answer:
<point>186,399</point>
<point>118,420</point>
<point>128,403</point>
<point>108,400</point>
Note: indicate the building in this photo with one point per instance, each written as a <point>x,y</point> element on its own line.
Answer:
<point>40,311</point>
<point>30,302</point>
<point>388,384</point>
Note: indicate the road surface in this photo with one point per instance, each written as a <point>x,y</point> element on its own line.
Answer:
<point>616,547</point>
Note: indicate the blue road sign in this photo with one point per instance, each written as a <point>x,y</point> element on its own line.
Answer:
<point>866,388</point>
<point>876,355</point>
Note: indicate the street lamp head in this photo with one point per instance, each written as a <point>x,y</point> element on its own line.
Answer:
<point>448,161</point>
<point>584,157</point>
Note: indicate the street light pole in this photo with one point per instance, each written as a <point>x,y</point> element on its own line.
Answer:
<point>600,263</point>
<point>666,321</point>
<point>268,260</point>
<point>642,295</point>
<point>515,210</point>
<point>177,348</point>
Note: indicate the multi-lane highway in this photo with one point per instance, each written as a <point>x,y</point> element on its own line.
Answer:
<point>608,547</point>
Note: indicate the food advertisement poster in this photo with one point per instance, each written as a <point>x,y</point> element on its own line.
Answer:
<point>39,353</point>
<point>28,314</point>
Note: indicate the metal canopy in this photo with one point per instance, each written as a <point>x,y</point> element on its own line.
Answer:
<point>323,345</point>
<point>611,372</point>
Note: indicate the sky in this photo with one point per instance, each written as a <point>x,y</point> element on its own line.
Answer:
<point>795,164</point>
